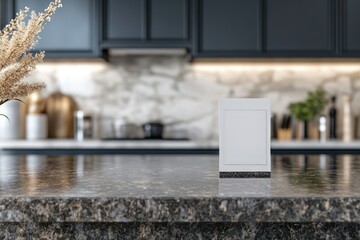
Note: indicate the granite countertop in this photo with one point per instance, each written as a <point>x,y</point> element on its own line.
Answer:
<point>117,188</point>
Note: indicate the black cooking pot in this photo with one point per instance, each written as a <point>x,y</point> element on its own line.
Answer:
<point>153,130</point>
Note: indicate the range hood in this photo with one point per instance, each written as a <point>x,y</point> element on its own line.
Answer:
<point>148,51</point>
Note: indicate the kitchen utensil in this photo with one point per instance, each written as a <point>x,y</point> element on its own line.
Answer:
<point>285,131</point>
<point>153,130</point>
<point>124,130</point>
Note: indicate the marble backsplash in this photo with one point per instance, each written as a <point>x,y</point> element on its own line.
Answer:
<point>185,95</point>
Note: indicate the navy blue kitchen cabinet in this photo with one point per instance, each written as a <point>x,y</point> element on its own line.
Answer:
<point>207,28</point>
<point>73,31</point>
<point>350,24</point>
<point>124,19</point>
<point>146,23</point>
<point>169,19</point>
<point>2,15</point>
<point>265,28</point>
<point>299,28</point>
<point>228,28</point>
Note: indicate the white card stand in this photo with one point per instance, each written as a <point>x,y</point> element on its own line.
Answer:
<point>245,138</point>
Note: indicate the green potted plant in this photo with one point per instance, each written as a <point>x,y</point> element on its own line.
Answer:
<point>307,112</point>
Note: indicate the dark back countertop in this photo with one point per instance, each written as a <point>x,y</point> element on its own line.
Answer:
<point>176,188</point>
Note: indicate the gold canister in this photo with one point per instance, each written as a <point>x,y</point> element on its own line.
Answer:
<point>35,104</point>
<point>60,109</point>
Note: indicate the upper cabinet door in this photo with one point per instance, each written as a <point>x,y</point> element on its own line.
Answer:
<point>300,27</point>
<point>351,27</point>
<point>228,27</point>
<point>124,20</point>
<point>2,14</point>
<point>169,19</point>
<point>146,23</point>
<point>73,30</point>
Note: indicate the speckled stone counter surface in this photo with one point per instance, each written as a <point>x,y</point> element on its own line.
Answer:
<point>145,197</point>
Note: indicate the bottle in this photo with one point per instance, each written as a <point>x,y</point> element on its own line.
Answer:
<point>332,118</point>
<point>273,126</point>
<point>346,120</point>
<point>322,128</point>
<point>83,125</point>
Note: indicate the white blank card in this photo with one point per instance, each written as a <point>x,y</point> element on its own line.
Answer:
<point>245,138</point>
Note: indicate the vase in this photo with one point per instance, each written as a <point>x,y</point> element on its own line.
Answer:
<point>10,127</point>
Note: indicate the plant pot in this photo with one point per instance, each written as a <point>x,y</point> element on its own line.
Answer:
<point>313,129</point>
<point>302,130</point>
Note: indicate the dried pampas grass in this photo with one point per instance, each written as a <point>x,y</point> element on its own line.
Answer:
<point>17,39</point>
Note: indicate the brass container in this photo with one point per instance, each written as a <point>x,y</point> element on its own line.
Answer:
<point>60,109</point>
<point>35,104</point>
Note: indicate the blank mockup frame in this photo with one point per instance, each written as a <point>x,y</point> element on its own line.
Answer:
<point>244,138</point>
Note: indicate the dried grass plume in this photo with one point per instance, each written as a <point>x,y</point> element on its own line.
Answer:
<point>17,39</point>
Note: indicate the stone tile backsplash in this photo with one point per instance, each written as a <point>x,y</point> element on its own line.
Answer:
<point>185,95</point>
